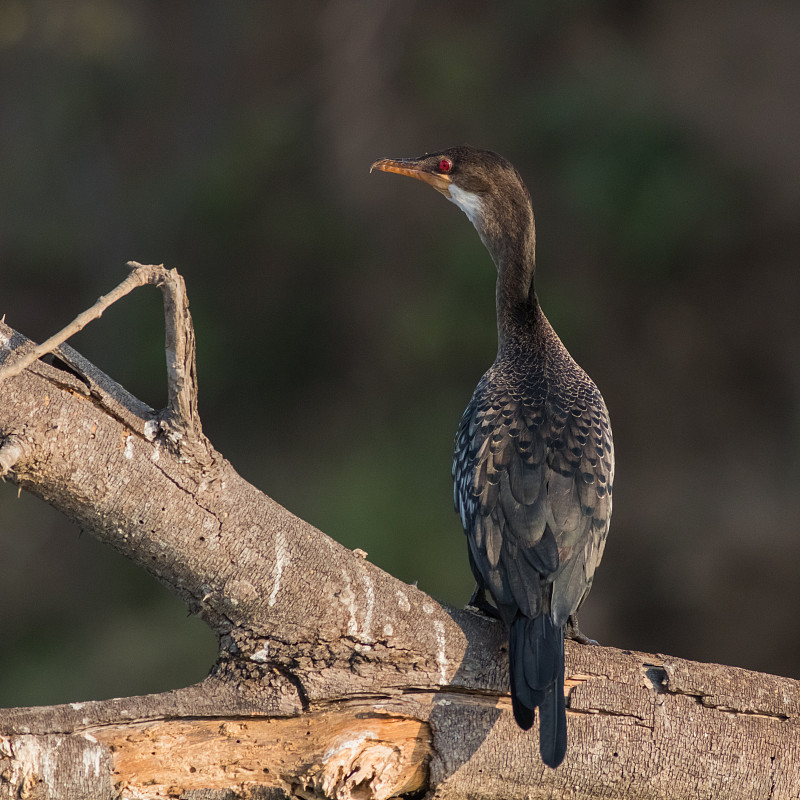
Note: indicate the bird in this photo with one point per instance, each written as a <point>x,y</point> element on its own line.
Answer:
<point>533,466</point>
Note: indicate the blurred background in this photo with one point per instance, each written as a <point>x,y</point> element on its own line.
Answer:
<point>344,318</point>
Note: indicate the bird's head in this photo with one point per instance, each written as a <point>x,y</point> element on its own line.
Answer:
<point>483,185</point>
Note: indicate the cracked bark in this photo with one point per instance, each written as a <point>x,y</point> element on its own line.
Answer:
<point>333,678</point>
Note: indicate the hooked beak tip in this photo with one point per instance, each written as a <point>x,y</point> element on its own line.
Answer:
<point>412,169</point>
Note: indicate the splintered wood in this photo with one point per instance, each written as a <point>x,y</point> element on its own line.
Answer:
<point>336,755</point>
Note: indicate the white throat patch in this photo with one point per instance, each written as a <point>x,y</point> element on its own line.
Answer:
<point>469,202</point>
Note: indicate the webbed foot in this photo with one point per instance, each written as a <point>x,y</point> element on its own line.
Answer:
<point>572,631</point>
<point>479,602</point>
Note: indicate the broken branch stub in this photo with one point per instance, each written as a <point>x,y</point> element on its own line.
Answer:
<point>180,420</point>
<point>12,450</point>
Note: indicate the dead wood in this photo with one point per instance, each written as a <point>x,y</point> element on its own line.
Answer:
<point>333,679</point>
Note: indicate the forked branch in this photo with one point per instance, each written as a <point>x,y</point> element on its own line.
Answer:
<point>180,420</point>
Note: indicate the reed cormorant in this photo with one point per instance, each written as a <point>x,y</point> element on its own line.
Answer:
<point>534,460</point>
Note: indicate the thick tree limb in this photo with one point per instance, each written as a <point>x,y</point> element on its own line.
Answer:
<point>334,679</point>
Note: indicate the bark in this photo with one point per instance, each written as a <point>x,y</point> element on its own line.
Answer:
<point>333,679</point>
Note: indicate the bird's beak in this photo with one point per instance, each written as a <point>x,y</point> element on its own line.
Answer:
<point>414,169</point>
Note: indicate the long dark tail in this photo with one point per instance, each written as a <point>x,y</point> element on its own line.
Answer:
<point>536,665</point>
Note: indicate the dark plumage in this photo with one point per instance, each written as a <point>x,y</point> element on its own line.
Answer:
<point>534,460</point>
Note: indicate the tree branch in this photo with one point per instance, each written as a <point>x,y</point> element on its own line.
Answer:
<point>139,276</point>
<point>333,678</point>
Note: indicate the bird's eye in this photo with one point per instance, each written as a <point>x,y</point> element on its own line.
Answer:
<point>444,165</point>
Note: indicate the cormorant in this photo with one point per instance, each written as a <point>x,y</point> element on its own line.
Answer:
<point>534,460</point>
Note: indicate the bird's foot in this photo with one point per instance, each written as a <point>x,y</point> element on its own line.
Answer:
<point>572,631</point>
<point>479,602</point>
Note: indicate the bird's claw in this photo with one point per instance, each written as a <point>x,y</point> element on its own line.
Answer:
<point>479,602</point>
<point>572,631</point>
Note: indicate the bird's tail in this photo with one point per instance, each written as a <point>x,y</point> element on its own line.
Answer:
<point>536,665</point>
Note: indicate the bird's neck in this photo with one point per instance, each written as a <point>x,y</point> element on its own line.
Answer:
<point>517,305</point>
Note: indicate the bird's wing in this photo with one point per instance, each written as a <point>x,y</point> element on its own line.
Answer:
<point>499,486</point>
<point>532,484</point>
<point>580,476</point>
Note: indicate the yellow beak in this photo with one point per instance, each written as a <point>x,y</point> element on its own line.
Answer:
<point>413,169</point>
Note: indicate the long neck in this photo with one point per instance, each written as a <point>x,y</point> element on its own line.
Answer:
<point>514,256</point>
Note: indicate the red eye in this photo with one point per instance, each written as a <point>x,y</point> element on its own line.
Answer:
<point>444,165</point>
